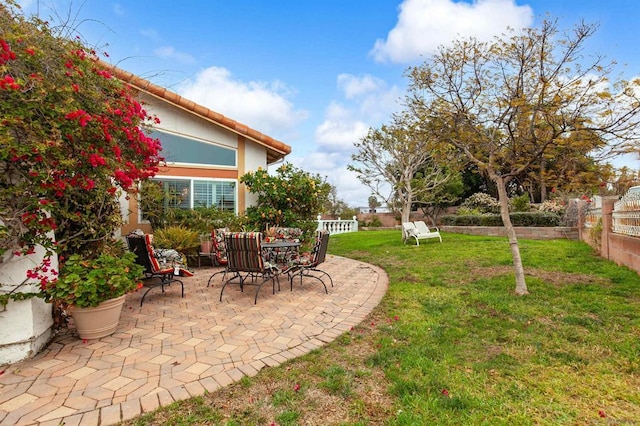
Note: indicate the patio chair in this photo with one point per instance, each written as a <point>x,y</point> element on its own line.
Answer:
<point>245,262</point>
<point>158,272</point>
<point>219,246</point>
<point>419,231</point>
<point>219,252</point>
<point>305,265</point>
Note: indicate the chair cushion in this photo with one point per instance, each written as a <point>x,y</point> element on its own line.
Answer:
<point>219,244</point>
<point>155,264</point>
<point>288,234</point>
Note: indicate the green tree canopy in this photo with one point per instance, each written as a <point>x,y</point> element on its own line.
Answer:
<point>390,159</point>
<point>505,105</point>
<point>286,198</point>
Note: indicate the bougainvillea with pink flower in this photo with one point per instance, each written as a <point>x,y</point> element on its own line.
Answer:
<point>71,138</point>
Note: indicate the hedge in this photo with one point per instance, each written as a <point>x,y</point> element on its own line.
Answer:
<point>517,219</point>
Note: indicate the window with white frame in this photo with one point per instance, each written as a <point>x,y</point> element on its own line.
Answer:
<point>189,193</point>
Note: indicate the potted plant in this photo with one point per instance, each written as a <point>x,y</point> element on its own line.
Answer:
<point>93,290</point>
<point>270,234</point>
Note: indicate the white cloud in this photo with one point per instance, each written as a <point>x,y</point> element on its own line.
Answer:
<point>367,102</point>
<point>354,86</point>
<point>332,167</point>
<point>340,129</point>
<point>168,52</point>
<point>261,106</point>
<point>424,25</point>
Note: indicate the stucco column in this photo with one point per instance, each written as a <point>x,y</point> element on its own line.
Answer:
<point>607,222</point>
<point>25,325</point>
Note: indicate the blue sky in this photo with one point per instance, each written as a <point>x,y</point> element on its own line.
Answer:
<point>315,74</point>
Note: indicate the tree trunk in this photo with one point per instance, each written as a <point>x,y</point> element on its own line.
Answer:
<point>405,217</point>
<point>521,285</point>
<point>543,181</point>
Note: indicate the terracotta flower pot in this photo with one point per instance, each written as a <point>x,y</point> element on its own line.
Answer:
<point>99,321</point>
<point>206,246</point>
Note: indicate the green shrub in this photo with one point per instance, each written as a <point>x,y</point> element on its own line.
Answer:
<point>521,203</point>
<point>517,219</point>
<point>204,219</point>
<point>467,211</point>
<point>308,227</point>
<point>375,222</point>
<point>179,238</point>
<point>535,219</point>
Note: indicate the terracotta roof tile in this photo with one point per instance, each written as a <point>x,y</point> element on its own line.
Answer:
<point>276,149</point>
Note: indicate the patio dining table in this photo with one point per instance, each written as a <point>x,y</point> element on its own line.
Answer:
<point>280,252</point>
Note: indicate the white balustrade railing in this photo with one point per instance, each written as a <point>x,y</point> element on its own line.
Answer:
<point>340,226</point>
<point>626,214</point>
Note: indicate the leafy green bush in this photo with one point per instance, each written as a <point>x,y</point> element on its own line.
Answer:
<point>535,219</point>
<point>205,219</point>
<point>517,219</point>
<point>285,198</point>
<point>467,211</point>
<point>375,222</point>
<point>308,227</point>
<point>179,238</point>
<point>521,203</point>
<point>88,282</point>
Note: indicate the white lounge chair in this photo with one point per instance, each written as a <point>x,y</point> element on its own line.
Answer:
<point>420,231</point>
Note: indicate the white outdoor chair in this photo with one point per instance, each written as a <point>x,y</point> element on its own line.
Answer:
<point>420,231</point>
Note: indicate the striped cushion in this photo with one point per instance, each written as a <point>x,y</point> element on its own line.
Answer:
<point>155,265</point>
<point>243,251</point>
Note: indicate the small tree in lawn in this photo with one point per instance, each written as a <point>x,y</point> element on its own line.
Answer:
<point>374,203</point>
<point>290,197</point>
<point>388,160</point>
<point>433,202</point>
<point>506,104</point>
<point>336,207</point>
<point>70,141</point>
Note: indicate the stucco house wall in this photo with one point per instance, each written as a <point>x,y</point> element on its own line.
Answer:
<point>184,118</point>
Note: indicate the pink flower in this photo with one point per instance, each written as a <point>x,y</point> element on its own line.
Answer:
<point>96,160</point>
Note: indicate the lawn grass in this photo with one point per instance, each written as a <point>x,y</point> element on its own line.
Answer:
<point>451,343</point>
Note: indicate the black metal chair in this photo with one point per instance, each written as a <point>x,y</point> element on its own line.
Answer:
<point>219,252</point>
<point>245,262</point>
<point>304,266</point>
<point>155,273</point>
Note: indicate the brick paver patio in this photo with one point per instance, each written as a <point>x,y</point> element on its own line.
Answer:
<point>172,348</point>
